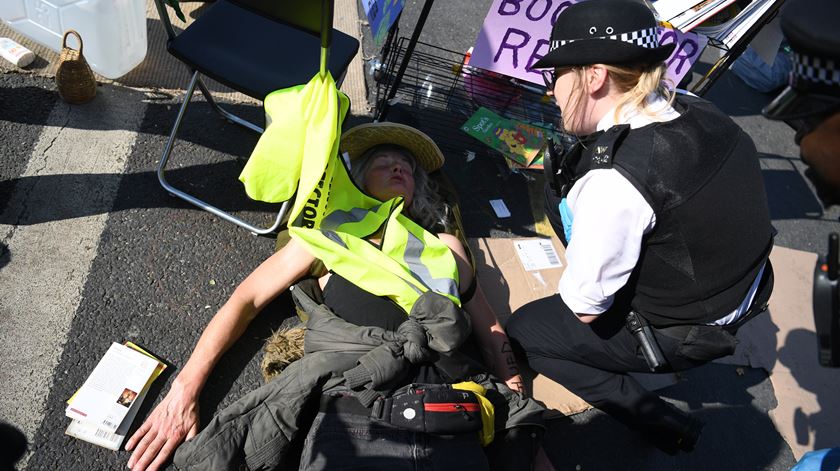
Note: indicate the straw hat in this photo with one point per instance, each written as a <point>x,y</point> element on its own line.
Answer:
<point>361,138</point>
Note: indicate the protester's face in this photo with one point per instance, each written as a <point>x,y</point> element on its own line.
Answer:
<point>820,149</point>
<point>390,174</point>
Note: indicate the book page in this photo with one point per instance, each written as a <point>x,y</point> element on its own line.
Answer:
<point>667,9</point>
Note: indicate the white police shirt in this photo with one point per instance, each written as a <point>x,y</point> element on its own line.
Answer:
<point>609,219</point>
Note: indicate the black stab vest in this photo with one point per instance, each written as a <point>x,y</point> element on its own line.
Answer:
<point>700,174</point>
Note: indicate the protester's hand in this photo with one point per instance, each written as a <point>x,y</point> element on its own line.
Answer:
<point>515,383</point>
<point>172,422</point>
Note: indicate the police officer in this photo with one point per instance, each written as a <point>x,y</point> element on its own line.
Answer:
<point>662,209</point>
<point>811,102</point>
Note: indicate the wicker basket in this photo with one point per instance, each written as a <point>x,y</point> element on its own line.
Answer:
<point>74,79</point>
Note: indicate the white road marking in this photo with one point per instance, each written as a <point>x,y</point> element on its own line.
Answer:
<point>52,225</point>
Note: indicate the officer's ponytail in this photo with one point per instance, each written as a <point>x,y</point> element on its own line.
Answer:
<point>637,84</point>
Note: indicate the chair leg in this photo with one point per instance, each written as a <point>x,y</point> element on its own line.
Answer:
<point>192,199</point>
<point>225,113</point>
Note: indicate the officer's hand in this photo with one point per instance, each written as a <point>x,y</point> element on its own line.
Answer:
<point>172,422</point>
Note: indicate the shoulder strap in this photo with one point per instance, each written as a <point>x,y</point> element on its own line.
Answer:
<point>552,166</point>
<point>602,152</point>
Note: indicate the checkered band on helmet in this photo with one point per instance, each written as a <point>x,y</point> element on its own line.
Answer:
<point>647,38</point>
<point>815,69</point>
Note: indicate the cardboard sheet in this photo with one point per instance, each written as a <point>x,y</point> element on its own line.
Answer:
<point>785,344</point>
<point>505,282</point>
<point>508,286</point>
<point>782,342</point>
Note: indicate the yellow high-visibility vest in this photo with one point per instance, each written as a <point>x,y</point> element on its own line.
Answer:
<point>332,217</point>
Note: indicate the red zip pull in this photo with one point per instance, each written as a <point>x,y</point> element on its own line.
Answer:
<point>451,407</point>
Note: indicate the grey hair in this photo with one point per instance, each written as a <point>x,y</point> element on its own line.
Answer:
<point>427,208</point>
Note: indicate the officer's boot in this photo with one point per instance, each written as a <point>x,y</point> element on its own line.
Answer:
<point>666,426</point>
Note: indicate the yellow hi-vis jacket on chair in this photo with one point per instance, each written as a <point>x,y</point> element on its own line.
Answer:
<point>331,217</point>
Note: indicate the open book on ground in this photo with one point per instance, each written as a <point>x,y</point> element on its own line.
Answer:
<point>104,407</point>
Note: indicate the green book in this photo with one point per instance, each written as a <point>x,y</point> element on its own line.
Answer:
<point>518,141</point>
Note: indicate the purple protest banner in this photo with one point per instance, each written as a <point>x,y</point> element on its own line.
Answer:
<point>688,50</point>
<point>515,36</point>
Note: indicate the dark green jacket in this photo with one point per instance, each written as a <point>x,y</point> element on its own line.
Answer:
<point>257,429</point>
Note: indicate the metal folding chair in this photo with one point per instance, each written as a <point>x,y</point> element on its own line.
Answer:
<point>254,47</point>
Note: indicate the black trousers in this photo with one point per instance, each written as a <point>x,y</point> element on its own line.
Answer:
<point>592,360</point>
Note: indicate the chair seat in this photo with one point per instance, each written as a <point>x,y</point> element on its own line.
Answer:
<point>256,55</point>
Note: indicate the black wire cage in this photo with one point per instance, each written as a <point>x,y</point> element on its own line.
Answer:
<point>442,91</point>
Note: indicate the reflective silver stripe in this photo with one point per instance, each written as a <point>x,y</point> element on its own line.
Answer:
<point>411,257</point>
<point>334,237</point>
<point>413,249</point>
<point>338,217</point>
<point>416,289</point>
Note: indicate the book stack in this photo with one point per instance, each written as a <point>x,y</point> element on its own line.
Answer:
<point>723,20</point>
<point>735,25</point>
<point>105,406</point>
<point>684,15</point>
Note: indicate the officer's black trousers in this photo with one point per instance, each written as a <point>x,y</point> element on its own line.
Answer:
<point>592,360</point>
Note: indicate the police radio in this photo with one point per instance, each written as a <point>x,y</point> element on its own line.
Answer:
<point>827,304</point>
<point>552,165</point>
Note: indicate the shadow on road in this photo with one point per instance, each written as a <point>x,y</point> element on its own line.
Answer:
<point>74,189</point>
<point>818,429</point>
<point>738,433</point>
<point>14,446</point>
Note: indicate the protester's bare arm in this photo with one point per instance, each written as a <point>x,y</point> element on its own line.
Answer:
<point>175,419</point>
<point>491,337</point>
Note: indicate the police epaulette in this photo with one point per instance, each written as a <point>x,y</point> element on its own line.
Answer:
<point>604,148</point>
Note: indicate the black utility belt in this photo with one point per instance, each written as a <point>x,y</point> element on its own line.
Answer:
<point>697,342</point>
<point>428,408</point>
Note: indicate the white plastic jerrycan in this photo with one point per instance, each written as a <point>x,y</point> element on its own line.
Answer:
<point>114,31</point>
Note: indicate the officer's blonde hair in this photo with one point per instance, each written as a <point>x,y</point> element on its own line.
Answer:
<point>636,84</point>
<point>427,208</point>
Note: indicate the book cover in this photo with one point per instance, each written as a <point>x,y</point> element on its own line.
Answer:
<point>92,433</point>
<point>518,141</point>
<point>381,14</point>
<point>106,397</point>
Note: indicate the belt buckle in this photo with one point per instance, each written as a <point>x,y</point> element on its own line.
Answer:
<point>381,408</point>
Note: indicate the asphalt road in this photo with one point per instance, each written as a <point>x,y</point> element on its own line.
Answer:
<point>92,251</point>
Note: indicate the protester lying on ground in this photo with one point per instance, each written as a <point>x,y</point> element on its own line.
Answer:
<point>811,102</point>
<point>360,346</point>
<point>662,208</point>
